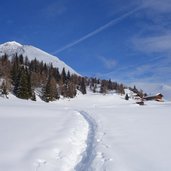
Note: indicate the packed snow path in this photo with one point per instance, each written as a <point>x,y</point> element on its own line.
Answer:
<point>89,153</point>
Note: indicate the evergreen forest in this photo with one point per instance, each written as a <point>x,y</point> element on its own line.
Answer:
<point>26,79</point>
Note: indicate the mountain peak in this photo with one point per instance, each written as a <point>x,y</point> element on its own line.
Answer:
<point>11,43</point>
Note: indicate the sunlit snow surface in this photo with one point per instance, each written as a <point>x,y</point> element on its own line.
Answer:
<point>88,133</point>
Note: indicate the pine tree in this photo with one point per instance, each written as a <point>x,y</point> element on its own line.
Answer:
<point>135,90</point>
<point>33,96</point>
<point>50,90</point>
<point>21,59</point>
<point>83,86</point>
<point>71,90</point>
<point>94,88</point>
<point>68,75</point>
<point>28,75</point>
<point>120,89</point>
<point>26,61</point>
<point>15,69</point>
<point>110,85</point>
<point>63,76</point>
<point>64,89</point>
<point>22,88</point>
<point>126,97</point>
<point>103,88</point>
<point>58,76</point>
<point>4,89</point>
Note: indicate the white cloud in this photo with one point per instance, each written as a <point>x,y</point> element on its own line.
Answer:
<point>154,40</point>
<point>154,34</point>
<point>155,70</point>
<point>162,6</point>
<point>108,63</point>
<point>154,44</point>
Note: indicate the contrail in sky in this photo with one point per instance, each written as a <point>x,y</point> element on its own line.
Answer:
<point>98,30</point>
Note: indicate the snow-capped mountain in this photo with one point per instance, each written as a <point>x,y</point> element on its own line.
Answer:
<point>11,48</point>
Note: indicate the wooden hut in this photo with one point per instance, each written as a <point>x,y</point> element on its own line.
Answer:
<point>157,97</point>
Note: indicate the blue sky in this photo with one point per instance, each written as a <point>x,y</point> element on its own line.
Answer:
<point>126,40</point>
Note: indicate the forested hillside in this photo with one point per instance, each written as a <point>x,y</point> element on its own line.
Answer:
<point>25,78</point>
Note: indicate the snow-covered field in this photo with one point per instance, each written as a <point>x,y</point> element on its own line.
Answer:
<point>88,133</point>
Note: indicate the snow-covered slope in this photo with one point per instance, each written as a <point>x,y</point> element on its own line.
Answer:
<point>91,132</point>
<point>11,48</point>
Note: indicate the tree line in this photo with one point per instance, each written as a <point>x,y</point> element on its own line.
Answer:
<point>25,79</point>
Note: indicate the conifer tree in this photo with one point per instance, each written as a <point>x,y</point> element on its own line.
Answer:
<point>15,69</point>
<point>68,75</point>
<point>50,90</point>
<point>110,85</point>
<point>21,59</point>
<point>83,86</point>
<point>58,76</point>
<point>63,76</point>
<point>103,88</point>
<point>120,89</point>
<point>33,96</point>
<point>28,75</point>
<point>126,97</point>
<point>64,89</point>
<point>4,89</point>
<point>94,88</point>
<point>71,90</point>
<point>22,88</point>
